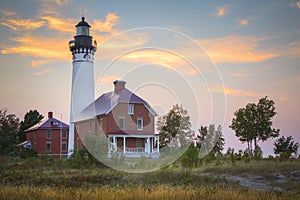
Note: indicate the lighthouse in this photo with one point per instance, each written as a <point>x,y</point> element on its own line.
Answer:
<point>83,49</point>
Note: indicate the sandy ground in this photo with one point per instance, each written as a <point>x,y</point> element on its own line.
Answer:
<point>257,182</point>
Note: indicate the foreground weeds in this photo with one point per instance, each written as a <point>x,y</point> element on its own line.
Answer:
<point>47,178</point>
<point>153,192</point>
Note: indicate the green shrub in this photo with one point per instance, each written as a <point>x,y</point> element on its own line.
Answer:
<point>190,158</point>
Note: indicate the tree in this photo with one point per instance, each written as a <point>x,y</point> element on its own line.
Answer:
<point>31,118</point>
<point>174,126</point>
<point>190,158</point>
<point>285,147</point>
<point>9,124</point>
<point>254,123</point>
<point>210,139</point>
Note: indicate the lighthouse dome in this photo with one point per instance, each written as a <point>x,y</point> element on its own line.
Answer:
<point>83,23</point>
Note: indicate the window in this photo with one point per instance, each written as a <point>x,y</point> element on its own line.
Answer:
<point>101,124</point>
<point>140,124</point>
<point>130,109</point>
<point>34,136</point>
<point>48,146</point>
<point>121,123</point>
<point>138,142</point>
<point>64,134</point>
<point>64,147</point>
<point>48,134</point>
<point>90,125</point>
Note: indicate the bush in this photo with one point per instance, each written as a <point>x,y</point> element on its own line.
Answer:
<point>191,157</point>
<point>26,153</point>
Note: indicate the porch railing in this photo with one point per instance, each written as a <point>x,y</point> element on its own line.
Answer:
<point>134,149</point>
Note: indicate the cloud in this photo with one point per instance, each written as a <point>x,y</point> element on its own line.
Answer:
<point>295,4</point>
<point>233,92</point>
<point>60,24</point>
<point>8,13</point>
<point>243,22</point>
<point>222,11</point>
<point>107,79</point>
<point>292,50</point>
<point>47,49</point>
<point>111,20</point>
<point>114,46</point>
<point>236,49</point>
<point>38,63</point>
<point>26,24</point>
<point>167,59</point>
<point>41,47</point>
<point>58,2</point>
<point>43,72</point>
<point>282,98</point>
<point>240,75</point>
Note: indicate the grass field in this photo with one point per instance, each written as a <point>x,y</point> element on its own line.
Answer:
<point>55,179</point>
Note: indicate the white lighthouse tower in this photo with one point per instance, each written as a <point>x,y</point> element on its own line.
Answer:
<point>82,94</point>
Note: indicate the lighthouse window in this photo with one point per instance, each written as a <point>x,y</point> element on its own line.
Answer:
<point>82,30</point>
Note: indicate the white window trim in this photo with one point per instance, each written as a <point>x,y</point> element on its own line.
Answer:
<point>119,123</point>
<point>62,147</point>
<point>140,142</point>
<point>50,134</point>
<point>137,123</point>
<point>50,147</point>
<point>101,124</point>
<point>90,126</point>
<point>63,134</point>
<point>131,109</point>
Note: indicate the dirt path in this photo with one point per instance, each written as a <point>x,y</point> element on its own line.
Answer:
<point>253,182</point>
<point>250,181</point>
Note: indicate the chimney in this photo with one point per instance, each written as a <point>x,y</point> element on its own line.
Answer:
<point>50,114</point>
<point>119,86</point>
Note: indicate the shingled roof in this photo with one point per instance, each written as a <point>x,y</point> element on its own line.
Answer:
<point>107,101</point>
<point>50,123</point>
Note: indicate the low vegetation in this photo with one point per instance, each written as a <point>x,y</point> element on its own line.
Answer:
<point>49,178</point>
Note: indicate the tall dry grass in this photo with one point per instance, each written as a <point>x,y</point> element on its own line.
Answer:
<point>151,193</point>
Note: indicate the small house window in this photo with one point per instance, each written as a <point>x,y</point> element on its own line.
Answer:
<point>90,125</point>
<point>140,124</point>
<point>64,147</point>
<point>130,109</point>
<point>101,124</point>
<point>48,134</point>
<point>121,123</point>
<point>48,147</point>
<point>64,134</point>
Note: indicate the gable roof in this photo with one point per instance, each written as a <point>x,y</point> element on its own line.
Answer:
<point>50,123</point>
<point>107,101</point>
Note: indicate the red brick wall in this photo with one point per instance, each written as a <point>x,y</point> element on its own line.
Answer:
<point>39,141</point>
<point>84,128</point>
<point>111,121</point>
<point>110,124</point>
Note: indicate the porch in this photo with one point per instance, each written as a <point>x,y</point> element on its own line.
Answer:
<point>133,146</point>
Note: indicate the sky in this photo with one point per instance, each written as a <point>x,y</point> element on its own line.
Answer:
<point>213,57</point>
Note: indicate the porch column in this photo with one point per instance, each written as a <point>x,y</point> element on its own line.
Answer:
<point>148,145</point>
<point>108,144</point>
<point>114,143</point>
<point>157,144</point>
<point>152,140</point>
<point>124,144</point>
